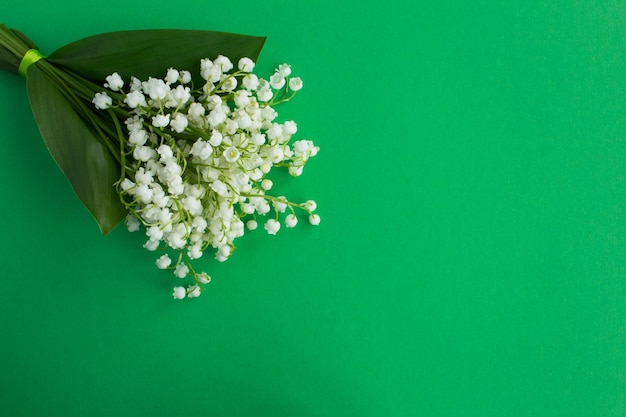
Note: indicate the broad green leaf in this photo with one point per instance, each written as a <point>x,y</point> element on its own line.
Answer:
<point>145,53</point>
<point>86,162</point>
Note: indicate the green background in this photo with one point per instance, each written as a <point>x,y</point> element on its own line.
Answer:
<point>471,259</point>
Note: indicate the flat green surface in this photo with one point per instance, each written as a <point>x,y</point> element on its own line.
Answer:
<point>471,259</point>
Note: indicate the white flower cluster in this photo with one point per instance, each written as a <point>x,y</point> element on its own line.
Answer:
<point>196,160</point>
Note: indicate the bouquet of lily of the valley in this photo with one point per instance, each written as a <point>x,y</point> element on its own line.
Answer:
<point>170,130</point>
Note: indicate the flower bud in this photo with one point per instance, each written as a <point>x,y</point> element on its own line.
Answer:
<point>245,64</point>
<point>272,226</point>
<point>291,220</point>
<point>179,293</point>
<point>102,101</point>
<point>163,262</point>
<point>114,82</point>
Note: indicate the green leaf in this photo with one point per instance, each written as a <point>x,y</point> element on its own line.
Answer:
<point>145,53</point>
<point>86,162</point>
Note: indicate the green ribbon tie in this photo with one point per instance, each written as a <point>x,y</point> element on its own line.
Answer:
<point>30,57</point>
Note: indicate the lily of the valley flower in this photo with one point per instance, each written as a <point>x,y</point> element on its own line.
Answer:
<point>197,162</point>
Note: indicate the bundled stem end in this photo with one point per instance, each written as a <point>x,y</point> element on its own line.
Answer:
<point>13,46</point>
